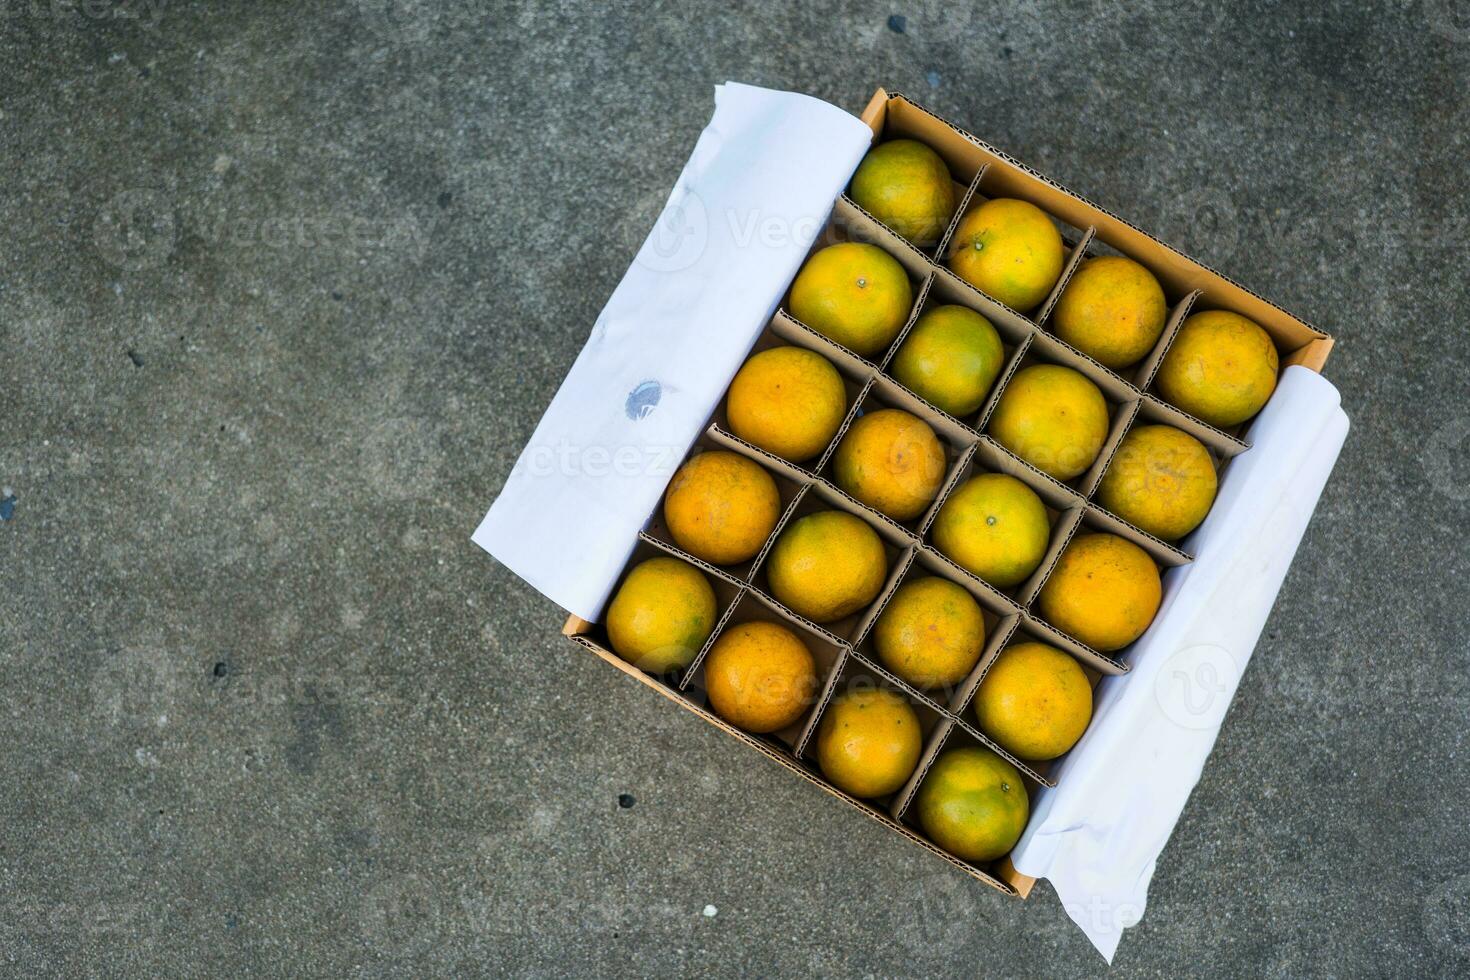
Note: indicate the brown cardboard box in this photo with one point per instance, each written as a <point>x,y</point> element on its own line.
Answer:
<point>843,650</point>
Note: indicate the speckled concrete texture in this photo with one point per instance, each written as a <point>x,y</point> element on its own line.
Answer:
<point>284,289</point>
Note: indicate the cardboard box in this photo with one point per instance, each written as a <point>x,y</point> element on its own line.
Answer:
<point>843,650</point>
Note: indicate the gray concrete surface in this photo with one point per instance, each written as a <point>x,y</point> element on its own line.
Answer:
<point>284,288</point>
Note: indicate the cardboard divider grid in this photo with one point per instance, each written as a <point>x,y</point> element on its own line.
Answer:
<point>846,651</point>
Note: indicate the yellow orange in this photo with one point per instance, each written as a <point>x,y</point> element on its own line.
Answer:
<point>1220,368</point>
<point>721,507</point>
<point>994,526</point>
<point>661,616</point>
<point>973,804</point>
<point>906,185</point>
<point>868,742</point>
<point>892,461</point>
<point>760,676</point>
<point>1112,309</point>
<point>854,293</point>
<point>1052,417</point>
<point>1105,591</point>
<point>788,401</point>
<point>930,633</point>
<point>950,358</point>
<point>1161,480</point>
<point>1009,250</point>
<point>1035,701</point>
<point>827,565</point>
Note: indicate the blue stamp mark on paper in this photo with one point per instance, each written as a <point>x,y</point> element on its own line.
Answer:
<point>643,399</point>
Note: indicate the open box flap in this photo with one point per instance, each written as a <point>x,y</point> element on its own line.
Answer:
<point>1120,791</point>
<point>756,191</point>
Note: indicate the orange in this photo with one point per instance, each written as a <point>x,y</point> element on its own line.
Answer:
<point>661,616</point>
<point>760,676</point>
<point>1161,480</point>
<point>827,565</point>
<point>1009,250</point>
<point>931,633</point>
<point>721,507</point>
<point>1035,701</point>
<point>993,526</point>
<point>1105,591</point>
<point>868,742</point>
<point>1052,417</point>
<point>973,804</point>
<point>1221,368</point>
<point>906,185</point>
<point>950,358</point>
<point>892,461</point>
<point>788,401</point>
<point>1112,309</point>
<point>855,294</point>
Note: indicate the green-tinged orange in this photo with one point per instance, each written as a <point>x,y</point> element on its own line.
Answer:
<point>931,633</point>
<point>1221,368</point>
<point>662,615</point>
<point>906,185</point>
<point>827,565</point>
<point>854,293</point>
<point>1053,417</point>
<point>1009,250</point>
<point>973,804</point>
<point>950,358</point>
<point>993,526</point>
<point>1161,480</point>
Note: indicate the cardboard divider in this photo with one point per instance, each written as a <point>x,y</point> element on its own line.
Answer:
<point>1098,518</point>
<point>1077,253</point>
<point>1143,374</point>
<point>1064,528</point>
<point>954,437</point>
<point>1224,443</point>
<point>962,208</point>
<point>752,607</point>
<point>1121,400</point>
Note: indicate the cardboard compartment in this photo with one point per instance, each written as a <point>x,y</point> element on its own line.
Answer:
<point>885,393</point>
<point>726,587</point>
<point>849,223</point>
<point>949,735</point>
<point>897,549</point>
<point>783,331</point>
<point>751,606</point>
<point>943,291</point>
<point>857,674</point>
<point>987,457</point>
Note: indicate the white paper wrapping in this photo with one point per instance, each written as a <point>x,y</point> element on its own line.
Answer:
<point>1120,791</point>
<point>752,198</point>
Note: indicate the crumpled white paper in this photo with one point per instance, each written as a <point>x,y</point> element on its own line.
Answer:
<point>757,189</point>
<point>750,202</point>
<point>1120,791</point>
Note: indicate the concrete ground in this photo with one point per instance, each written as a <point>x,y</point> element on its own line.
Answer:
<point>285,287</point>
